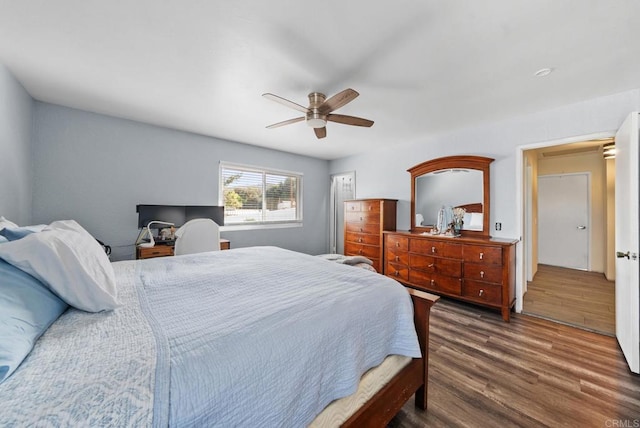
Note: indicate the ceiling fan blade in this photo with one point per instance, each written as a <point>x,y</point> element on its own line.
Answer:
<point>320,132</point>
<point>337,101</point>
<point>286,122</point>
<point>349,120</point>
<point>286,102</point>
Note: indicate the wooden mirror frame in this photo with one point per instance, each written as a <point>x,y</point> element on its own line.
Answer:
<point>455,162</point>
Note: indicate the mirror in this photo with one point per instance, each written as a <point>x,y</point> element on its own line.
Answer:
<point>451,182</point>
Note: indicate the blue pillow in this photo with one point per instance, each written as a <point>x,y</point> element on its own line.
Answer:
<point>3,239</point>
<point>27,309</point>
<point>15,233</point>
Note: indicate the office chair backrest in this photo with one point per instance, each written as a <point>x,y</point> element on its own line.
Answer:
<point>197,236</point>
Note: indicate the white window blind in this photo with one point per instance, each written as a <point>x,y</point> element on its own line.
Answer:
<point>254,195</point>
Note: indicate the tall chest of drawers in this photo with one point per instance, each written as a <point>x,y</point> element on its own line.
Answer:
<point>364,221</point>
<point>476,270</point>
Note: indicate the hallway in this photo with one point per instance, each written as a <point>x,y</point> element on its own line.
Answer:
<point>581,299</point>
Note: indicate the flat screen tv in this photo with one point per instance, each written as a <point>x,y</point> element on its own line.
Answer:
<point>177,214</point>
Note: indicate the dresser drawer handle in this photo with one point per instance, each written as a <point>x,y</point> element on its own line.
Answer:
<point>360,251</point>
<point>432,265</point>
<point>359,239</point>
<point>397,273</point>
<point>433,249</point>
<point>361,230</point>
<point>433,282</point>
<point>481,293</point>
<point>397,244</point>
<point>481,256</point>
<point>397,258</point>
<point>361,219</point>
<point>481,274</point>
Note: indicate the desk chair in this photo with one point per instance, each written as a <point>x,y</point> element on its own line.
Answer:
<point>197,236</point>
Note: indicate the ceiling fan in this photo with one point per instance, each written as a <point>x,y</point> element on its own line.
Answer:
<point>320,111</point>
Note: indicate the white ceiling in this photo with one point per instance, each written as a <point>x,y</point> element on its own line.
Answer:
<point>421,67</point>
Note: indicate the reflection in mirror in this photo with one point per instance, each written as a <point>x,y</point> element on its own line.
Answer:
<point>450,188</point>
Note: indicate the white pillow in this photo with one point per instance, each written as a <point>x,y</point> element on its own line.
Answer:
<point>68,260</point>
<point>476,221</point>
<point>6,223</point>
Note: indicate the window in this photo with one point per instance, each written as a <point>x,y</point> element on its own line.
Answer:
<point>258,196</point>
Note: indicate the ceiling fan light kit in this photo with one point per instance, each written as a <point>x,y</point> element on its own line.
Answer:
<point>319,111</point>
<point>316,122</point>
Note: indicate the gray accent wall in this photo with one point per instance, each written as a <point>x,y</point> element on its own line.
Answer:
<point>95,169</point>
<point>16,108</point>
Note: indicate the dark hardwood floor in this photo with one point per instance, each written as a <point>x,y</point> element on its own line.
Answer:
<point>531,372</point>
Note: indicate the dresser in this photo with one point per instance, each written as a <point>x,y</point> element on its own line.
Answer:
<point>476,270</point>
<point>364,222</point>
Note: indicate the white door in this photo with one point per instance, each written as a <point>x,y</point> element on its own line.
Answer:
<point>343,187</point>
<point>563,220</point>
<point>627,241</point>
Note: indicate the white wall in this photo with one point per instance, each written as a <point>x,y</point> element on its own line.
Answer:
<point>15,149</point>
<point>382,173</point>
<point>96,168</point>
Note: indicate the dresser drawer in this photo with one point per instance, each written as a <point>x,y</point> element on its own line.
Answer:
<point>395,256</point>
<point>435,248</point>
<point>483,272</point>
<point>352,206</point>
<point>482,292</point>
<point>362,217</point>
<point>362,238</point>
<point>484,254</point>
<point>448,267</point>
<point>435,282</point>
<point>394,270</point>
<point>400,243</point>
<point>157,251</point>
<point>363,228</point>
<point>362,206</point>
<point>370,251</point>
<point>372,207</point>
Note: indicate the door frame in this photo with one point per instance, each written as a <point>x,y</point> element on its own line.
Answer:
<point>521,181</point>
<point>588,174</point>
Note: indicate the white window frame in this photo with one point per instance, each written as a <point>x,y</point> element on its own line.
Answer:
<point>274,224</point>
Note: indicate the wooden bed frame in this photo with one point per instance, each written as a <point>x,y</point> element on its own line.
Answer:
<point>472,208</point>
<point>383,406</point>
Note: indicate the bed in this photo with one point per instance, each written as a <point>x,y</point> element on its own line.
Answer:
<point>256,336</point>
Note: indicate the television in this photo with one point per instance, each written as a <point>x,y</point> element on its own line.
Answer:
<point>177,214</point>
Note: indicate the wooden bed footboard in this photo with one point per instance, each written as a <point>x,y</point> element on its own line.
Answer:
<point>413,378</point>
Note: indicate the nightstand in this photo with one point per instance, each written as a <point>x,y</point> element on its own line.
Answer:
<point>167,250</point>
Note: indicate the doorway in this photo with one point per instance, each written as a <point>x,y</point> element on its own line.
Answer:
<point>569,225</point>
<point>343,188</point>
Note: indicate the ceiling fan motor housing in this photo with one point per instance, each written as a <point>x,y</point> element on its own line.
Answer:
<point>314,118</point>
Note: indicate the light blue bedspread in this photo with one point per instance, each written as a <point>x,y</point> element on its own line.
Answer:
<point>254,337</point>
<point>265,337</point>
